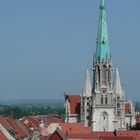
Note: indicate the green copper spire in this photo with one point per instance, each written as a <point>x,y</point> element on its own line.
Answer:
<point>102,44</point>
<point>102,3</point>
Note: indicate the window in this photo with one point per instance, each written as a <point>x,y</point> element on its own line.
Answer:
<point>102,99</point>
<point>118,105</point>
<point>118,97</point>
<point>118,113</point>
<point>87,117</point>
<point>127,126</point>
<point>106,99</point>
<point>103,42</point>
<point>104,75</point>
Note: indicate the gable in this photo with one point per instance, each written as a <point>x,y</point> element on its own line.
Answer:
<point>56,136</point>
<point>74,101</point>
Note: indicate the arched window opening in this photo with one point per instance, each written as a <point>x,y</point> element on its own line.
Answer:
<point>106,100</point>
<point>104,67</point>
<point>102,99</point>
<point>118,105</point>
<point>104,75</point>
<point>104,121</point>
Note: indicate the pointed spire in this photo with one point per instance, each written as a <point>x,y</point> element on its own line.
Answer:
<point>102,44</point>
<point>131,106</point>
<point>117,85</point>
<point>87,85</point>
<point>102,3</point>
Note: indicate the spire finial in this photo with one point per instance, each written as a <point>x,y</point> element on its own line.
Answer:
<point>102,3</point>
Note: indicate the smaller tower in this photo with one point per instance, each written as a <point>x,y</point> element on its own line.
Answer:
<point>132,116</point>
<point>86,101</point>
<point>117,85</point>
<point>120,98</point>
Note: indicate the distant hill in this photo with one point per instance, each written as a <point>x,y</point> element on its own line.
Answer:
<point>33,102</point>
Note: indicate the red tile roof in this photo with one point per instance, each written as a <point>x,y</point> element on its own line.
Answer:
<point>103,134</point>
<point>83,136</point>
<point>31,122</point>
<point>2,136</point>
<point>6,124</point>
<point>43,138</point>
<point>130,133</point>
<point>43,131</point>
<point>127,108</point>
<point>74,103</point>
<point>13,127</point>
<point>24,128</point>
<point>78,131</point>
<point>54,119</point>
<point>20,133</point>
<point>92,135</point>
<point>74,128</point>
<point>57,135</point>
<point>116,138</point>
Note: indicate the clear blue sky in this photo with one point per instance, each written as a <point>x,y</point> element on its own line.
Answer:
<point>46,45</point>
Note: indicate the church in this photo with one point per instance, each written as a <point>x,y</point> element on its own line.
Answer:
<point>102,105</point>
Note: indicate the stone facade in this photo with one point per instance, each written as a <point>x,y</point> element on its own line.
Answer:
<point>86,101</point>
<point>104,120</point>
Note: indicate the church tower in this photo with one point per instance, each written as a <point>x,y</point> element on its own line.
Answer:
<point>120,98</point>
<point>104,109</point>
<point>102,105</point>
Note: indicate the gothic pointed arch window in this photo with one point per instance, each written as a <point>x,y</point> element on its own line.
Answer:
<point>106,101</point>
<point>104,77</point>
<point>104,121</point>
<point>109,73</point>
<point>101,99</point>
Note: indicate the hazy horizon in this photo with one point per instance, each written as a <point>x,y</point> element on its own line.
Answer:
<point>46,46</point>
